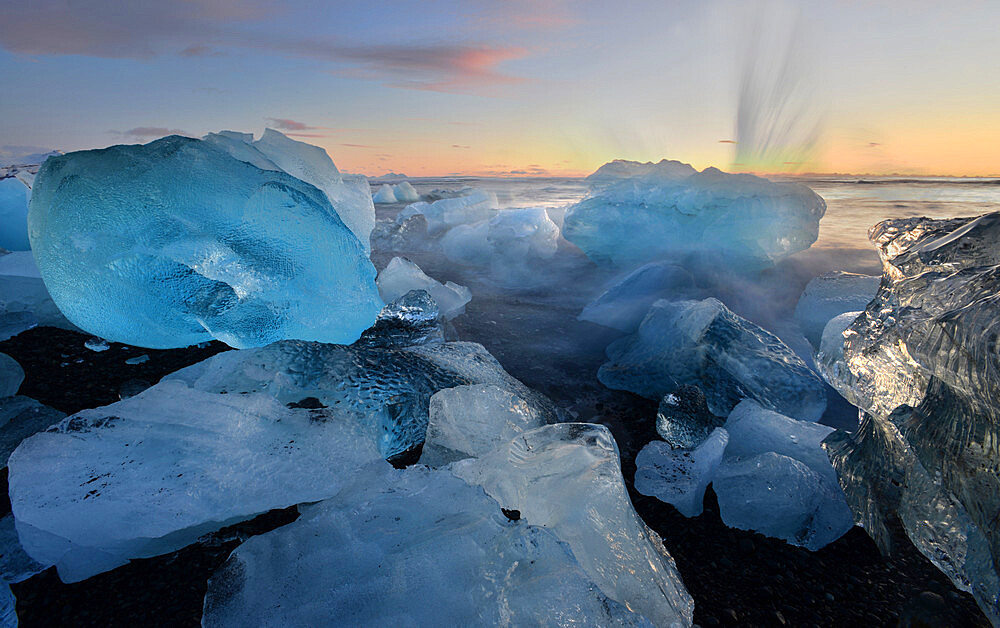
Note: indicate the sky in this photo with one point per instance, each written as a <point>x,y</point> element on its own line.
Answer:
<point>519,88</point>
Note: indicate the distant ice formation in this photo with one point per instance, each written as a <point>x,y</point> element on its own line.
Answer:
<point>384,195</point>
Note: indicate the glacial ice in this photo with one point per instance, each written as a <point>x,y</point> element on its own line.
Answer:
<point>401,275</point>
<point>471,207</point>
<point>405,193</point>
<point>705,344</point>
<point>830,295</point>
<point>613,171</point>
<point>151,267</point>
<point>11,376</point>
<point>388,389</point>
<point>384,195</point>
<point>14,195</point>
<point>23,294</point>
<point>467,421</point>
<point>734,222</point>
<point>20,417</point>
<point>567,478</point>
<point>510,245</point>
<point>152,473</point>
<point>412,319</point>
<point>412,547</point>
<point>683,419</point>
<point>921,362</point>
<point>680,476</point>
<point>624,305</point>
<point>15,564</point>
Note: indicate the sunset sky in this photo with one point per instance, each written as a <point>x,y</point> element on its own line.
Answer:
<point>506,87</point>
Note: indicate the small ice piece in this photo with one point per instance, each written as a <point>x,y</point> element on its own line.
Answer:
<point>20,417</point>
<point>405,193</point>
<point>780,497</point>
<point>97,344</point>
<point>14,195</point>
<point>472,207</point>
<point>128,252</point>
<point>139,359</point>
<point>196,461</point>
<point>389,389</point>
<point>567,478</point>
<point>413,547</point>
<point>8,612</point>
<point>680,476</point>
<point>738,223</point>
<point>11,375</point>
<point>705,344</point>
<point>384,195</point>
<point>412,319</point>
<point>683,418</point>
<point>829,295</point>
<point>401,275</point>
<point>467,421</point>
<point>15,564</point>
<point>23,295</point>
<point>511,244</point>
<point>624,305</point>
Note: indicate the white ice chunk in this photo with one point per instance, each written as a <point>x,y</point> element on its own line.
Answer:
<point>152,473</point>
<point>384,195</point>
<point>625,169</point>
<point>401,275</point>
<point>829,295</point>
<point>567,478</point>
<point>415,547</point>
<point>473,206</point>
<point>467,421</point>
<point>511,244</point>
<point>129,252</point>
<point>680,476</point>
<point>405,193</point>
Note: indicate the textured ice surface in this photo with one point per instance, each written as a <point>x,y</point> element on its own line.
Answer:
<point>130,251</point>
<point>683,419</point>
<point>152,473</point>
<point>416,547</point>
<point>384,194</point>
<point>830,295</point>
<point>567,478</point>
<point>467,421</point>
<point>8,612</point>
<point>15,564</point>
<point>405,193</point>
<point>511,244</point>
<point>389,389</point>
<point>11,375</point>
<point>705,344</point>
<point>737,222</point>
<point>624,305</point>
<point>412,319</point>
<point>623,169</point>
<point>22,292</point>
<point>14,195</point>
<point>474,206</point>
<point>680,476</point>
<point>20,417</point>
<point>921,360</point>
<point>401,275</point>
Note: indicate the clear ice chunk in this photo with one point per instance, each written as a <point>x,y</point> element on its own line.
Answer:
<point>703,343</point>
<point>401,275</point>
<point>680,476</point>
<point>129,252</point>
<point>11,376</point>
<point>830,295</point>
<point>683,419</point>
<point>412,319</point>
<point>15,564</point>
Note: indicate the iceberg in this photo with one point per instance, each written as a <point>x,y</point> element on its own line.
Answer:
<point>467,421</point>
<point>23,295</point>
<point>830,295</point>
<point>680,476</point>
<point>683,419</point>
<point>624,305</point>
<point>152,473</point>
<point>703,343</point>
<point>405,193</point>
<point>14,195</point>
<point>129,253</point>
<point>618,169</point>
<point>401,275</point>
<point>920,361</point>
<point>412,547</point>
<point>567,478</point>
<point>734,222</point>
<point>387,389</point>
<point>384,195</point>
<point>11,376</point>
